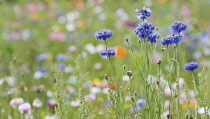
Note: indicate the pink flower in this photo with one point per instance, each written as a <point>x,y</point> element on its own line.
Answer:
<point>32,7</point>
<point>25,107</point>
<point>57,36</point>
<point>185,10</point>
<point>167,91</point>
<point>16,101</point>
<point>157,56</point>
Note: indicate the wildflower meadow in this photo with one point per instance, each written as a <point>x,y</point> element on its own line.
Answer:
<point>104,59</point>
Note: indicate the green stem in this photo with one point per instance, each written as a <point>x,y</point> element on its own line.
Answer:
<point>195,89</point>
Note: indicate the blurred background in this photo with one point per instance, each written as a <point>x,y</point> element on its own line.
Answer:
<point>39,35</point>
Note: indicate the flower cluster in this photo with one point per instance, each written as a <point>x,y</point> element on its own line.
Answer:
<point>176,37</point>
<point>109,52</point>
<point>146,29</point>
<point>103,34</point>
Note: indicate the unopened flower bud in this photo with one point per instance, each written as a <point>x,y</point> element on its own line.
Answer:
<point>159,61</point>
<point>106,77</point>
<point>129,73</point>
<point>126,39</point>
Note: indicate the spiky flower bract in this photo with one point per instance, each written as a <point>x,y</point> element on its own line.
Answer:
<point>103,34</point>
<point>144,13</point>
<point>144,29</point>
<point>178,27</point>
<point>191,66</point>
<point>108,52</point>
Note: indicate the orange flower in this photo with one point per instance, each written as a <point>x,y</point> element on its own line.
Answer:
<point>81,23</point>
<point>121,52</point>
<point>192,104</point>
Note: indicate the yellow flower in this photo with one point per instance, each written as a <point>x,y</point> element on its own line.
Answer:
<point>96,82</point>
<point>48,1</point>
<point>35,16</point>
<point>127,106</point>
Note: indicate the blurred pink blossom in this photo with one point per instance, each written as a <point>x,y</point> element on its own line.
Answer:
<point>25,107</point>
<point>57,36</point>
<point>16,101</point>
<point>32,7</point>
<point>185,10</point>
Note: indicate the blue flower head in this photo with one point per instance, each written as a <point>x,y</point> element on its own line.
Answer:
<point>144,13</point>
<point>109,52</point>
<point>176,38</point>
<point>41,57</point>
<point>103,34</point>
<point>178,27</point>
<point>132,110</point>
<point>167,40</point>
<point>152,37</point>
<point>191,66</point>
<point>144,29</point>
<point>141,102</point>
<point>61,57</point>
<point>61,65</point>
<point>42,69</point>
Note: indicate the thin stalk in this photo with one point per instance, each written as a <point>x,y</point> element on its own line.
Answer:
<point>195,89</point>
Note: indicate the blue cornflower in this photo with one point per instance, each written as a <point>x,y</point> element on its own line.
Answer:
<point>61,65</point>
<point>41,57</point>
<point>61,57</point>
<point>176,38</point>
<point>167,40</point>
<point>152,37</point>
<point>111,52</point>
<point>42,69</point>
<point>141,102</point>
<point>144,29</point>
<point>144,13</point>
<point>107,103</point>
<point>191,66</point>
<point>103,34</point>
<point>178,27</point>
<point>132,110</point>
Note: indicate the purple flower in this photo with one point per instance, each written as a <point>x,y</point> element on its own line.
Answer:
<point>178,27</point>
<point>152,37</point>
<point>109,52</point>
<point>103,34</point>
<point>42,69</point>
<point>61,65</point>
<point>167,40</point>
<point>41,57</point>
<point>176,38</point>
<point>144,13</point>
<point>144,29</point>
<point>61,57</point>
<point>141,102</point>
<point>191,66</point>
